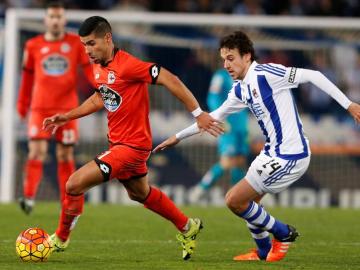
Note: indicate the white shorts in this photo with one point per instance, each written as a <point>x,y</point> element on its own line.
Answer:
<point>273,174</point>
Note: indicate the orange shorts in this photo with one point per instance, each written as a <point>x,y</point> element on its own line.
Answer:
<point>123,162</point>
<point>67,134</point>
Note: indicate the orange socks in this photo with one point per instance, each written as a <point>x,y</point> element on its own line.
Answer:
<point>158,202</point>
<point>64,170</point>
<point>71,210</point>
<point>33,174</point>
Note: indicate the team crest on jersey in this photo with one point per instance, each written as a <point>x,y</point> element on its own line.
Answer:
<point>97,76</point>
<point>111,99</point>
<point>111,77</point>
<point>255,94</point>
<point>65,47</point>
<point>55,64</point>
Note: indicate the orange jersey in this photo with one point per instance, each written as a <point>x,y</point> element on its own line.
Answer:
<point>54,69</point>
<point>122,84</point>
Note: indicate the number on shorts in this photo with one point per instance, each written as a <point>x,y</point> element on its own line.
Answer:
<point>273,164</point>
<point>68,136</point>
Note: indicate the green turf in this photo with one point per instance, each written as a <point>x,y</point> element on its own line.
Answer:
<point>119,237</point>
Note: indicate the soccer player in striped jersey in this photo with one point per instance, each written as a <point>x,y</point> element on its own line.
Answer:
<point>122,88</point>
<point>266,90</point>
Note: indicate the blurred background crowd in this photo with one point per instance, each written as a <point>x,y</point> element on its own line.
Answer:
<point>199,66</point>
<point>265,7</point>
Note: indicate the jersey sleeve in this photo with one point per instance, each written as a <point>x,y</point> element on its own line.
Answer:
<point>26,83</point>
<point>280,77</point>
<point>137,70</point>
<point>28,58</point>
<point>234,103</point>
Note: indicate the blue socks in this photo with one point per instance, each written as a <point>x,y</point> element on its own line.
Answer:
<point>262,240</point>
<point>259,223</point>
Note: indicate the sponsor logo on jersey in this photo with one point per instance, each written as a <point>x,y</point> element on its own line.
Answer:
<point>257,110</point>
<point>111,77</point>
<point>292,75</point>
<point>97,76</point>
<point>255,94</point>
<point>44,50</point>
<point>65,47</point>
<point>55,65</point>
<point>111,99</point>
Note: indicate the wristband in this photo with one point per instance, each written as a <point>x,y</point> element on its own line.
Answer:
<point>196,112</point>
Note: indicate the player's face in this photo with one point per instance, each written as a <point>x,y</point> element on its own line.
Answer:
<point>234,63</point>
<point>98,48</point>
<point>55,21</point>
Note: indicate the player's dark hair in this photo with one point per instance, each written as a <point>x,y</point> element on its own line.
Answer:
<point>54,4</point>
<point>238,40</point>
<point>95,24</point>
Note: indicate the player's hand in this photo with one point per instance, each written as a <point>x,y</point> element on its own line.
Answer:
<point>209,124</point>
<point>354,110</point>
<point>167,143</point>
<point>52,123</point>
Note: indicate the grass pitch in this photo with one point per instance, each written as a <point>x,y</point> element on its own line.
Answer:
<point>128,237</point>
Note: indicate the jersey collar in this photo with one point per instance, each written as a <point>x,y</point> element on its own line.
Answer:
<point>250,70</point>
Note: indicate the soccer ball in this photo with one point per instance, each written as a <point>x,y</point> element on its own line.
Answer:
<point>33,245</point>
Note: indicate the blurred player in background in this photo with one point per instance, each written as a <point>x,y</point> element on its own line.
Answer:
<point>266,90</point>
<point>122,82</point>
<point>233,146</point>
<point>48,86</point>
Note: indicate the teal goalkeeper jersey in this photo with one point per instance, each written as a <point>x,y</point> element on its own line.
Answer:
<point>220,85</point>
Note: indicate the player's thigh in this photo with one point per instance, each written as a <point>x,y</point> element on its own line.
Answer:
<point>84,178</point>
<point>67,134</point>
<point>64,152</point>
<point>240,194</point>
<point>38,149</point>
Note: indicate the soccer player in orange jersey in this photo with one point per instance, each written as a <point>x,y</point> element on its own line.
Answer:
<point>122,82</point>
<point>48,86</point>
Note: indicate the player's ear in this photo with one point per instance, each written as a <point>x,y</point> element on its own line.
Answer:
<point>108,37</point>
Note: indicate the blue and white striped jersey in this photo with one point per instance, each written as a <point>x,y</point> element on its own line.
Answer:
<point>266,91</point>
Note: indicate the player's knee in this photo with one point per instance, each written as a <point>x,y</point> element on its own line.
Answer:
<point>73,185</point>
<point>37,155</point>
<point>234,203</point>
<point>137,196</point>
<point>64,153</point>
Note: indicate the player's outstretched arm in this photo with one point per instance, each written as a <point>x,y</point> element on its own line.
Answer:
<point>322,82</point>
<point>228,107</point>
<point>178,89</point>
<point>167,143</point>
<point>354,110</point>
<point>92,104</point>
